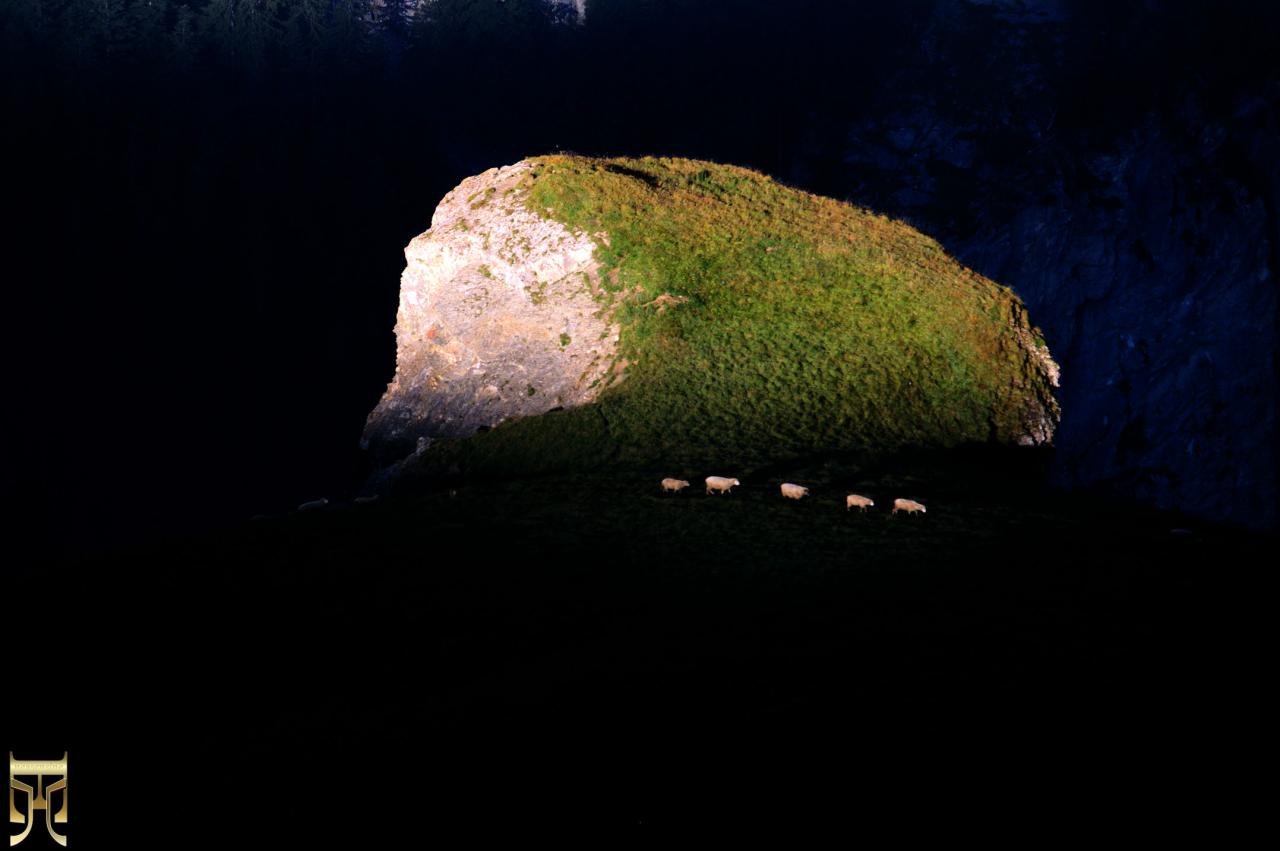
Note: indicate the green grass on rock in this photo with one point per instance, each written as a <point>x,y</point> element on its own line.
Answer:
<point>759,321</point>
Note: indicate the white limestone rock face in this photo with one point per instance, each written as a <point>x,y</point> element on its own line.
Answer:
<point>501,315</point>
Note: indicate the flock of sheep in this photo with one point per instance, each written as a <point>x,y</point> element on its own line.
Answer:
<point>715,484</point>
<point>722,484</point>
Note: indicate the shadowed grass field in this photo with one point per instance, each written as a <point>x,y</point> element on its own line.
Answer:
<point>582,649</point>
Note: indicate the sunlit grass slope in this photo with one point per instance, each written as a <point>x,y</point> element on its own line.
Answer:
<point>759,321</point>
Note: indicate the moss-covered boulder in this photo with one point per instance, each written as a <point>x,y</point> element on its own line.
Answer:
<point>731,317</point>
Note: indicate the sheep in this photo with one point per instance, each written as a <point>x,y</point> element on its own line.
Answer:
<point>791,491</point>
<point>908,505</point>
<point>674,485</point>
<point>860,501</point>
<point>719,484</point>
<point>314,504</point>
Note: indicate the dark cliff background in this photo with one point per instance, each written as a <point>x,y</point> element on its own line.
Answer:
<point>206,202</point>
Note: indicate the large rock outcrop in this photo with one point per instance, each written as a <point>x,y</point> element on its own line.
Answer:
<point>751,321</point>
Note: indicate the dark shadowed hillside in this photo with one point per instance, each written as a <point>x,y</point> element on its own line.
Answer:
<point>584,653</point>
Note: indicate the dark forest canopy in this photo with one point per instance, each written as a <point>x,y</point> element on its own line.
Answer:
<point>254,37</point>
<point>463,84</point>
<point>756,82</point>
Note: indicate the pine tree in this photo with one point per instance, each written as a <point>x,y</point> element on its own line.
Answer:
<point>460,22</point>
<point>182,40</point>
<point>94,31</point>
<point>257,33</point>
<point>347,39</point>
<point>216,29</point>
<point>147,19</point>
<point>396,17</point>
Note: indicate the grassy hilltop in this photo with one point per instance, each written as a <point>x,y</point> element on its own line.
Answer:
<point>762,322</point>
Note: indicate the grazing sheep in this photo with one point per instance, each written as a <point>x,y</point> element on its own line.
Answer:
<point>860,501</point>
<point>908,505</point>
<point>314,504</point>
<point>674,485</point>
<point>719,484</point>
<point>791,491</point>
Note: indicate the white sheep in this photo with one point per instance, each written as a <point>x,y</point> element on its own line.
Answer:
<point>791,491</point>
<point>861,502</point>
<point>908,505</point>
<point>314,504</point>
<point>674,485</point>
<point>719,484</point>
